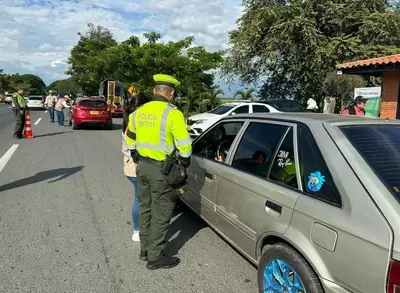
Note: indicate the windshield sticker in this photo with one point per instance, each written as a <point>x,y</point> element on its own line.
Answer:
<point>396,189</point>
<point>283,159</point>
<point>315,181</point>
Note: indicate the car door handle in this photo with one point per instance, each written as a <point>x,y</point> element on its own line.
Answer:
<point>273,206</point>
<point>209,176</point>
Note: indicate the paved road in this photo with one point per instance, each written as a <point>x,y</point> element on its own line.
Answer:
<point>65,222</point>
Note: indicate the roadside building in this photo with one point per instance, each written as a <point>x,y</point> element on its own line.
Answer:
<point>387,67</point>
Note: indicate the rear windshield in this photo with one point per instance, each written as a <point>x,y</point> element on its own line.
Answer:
<point>93,104</point>
<point>35,98</point>
<point>380,147</point>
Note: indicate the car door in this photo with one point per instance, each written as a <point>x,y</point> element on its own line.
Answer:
<point>204,169</point>
<point>258,192</point>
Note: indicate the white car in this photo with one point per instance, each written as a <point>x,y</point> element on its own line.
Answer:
<point>8,99</point>
<point>197,124</point>
<point>35,102</point>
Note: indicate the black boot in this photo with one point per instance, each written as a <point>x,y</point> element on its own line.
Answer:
<point>17,136</point>
<point>167,262</point>
<point>143,256</point>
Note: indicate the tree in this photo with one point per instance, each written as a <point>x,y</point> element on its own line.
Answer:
<point>85,57</point>
<point>65,87</point>
<point>294,44</point>
<point>245,94</point>
<point>132,62</point>
<point>32,84</point>
<point>342,87</point>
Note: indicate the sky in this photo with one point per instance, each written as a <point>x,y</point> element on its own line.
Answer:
<point>36,36</point>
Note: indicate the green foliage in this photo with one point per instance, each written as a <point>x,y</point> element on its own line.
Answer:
<point>245,94</point>
<point>342,87</point>
<point>84,59</point>
<point>97,57</point>
<point>65,87</point>
<point>295,44</point>
<point>32,84</point>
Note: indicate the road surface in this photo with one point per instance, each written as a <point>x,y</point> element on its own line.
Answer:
<point>65,223</point>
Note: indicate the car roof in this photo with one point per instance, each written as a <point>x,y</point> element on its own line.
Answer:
<point>308,118</point>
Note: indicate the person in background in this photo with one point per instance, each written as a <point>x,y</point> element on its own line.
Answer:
<point>129,165</point>
<point>59,107</point>
<point>50,102</point>
<point>19,108</point>
<point>312,105</point>
<point>357,107</point>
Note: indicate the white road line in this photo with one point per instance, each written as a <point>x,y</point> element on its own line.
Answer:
<point>45,111</point>
<point>37,122</point>
<point>7,156</point>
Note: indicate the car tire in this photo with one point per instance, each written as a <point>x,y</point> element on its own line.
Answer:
<point>108,126</point>
<point>278,259</point>
<point>74,127</point>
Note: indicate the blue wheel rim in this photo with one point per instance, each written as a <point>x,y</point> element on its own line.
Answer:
<point>280,277</point>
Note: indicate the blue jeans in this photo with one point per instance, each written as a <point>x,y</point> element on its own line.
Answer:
<point>60,117</point>
<point>51,111</point>
<point>135,206</point>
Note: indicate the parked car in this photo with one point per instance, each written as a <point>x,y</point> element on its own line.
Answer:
<point>35,102</point>
<point>88,112</point>
<point>284,105</point>
<point>8,99</point>
<point>197,124</point>
<point>312,199</point>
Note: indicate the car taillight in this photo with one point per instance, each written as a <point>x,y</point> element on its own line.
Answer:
<point>394,277</point>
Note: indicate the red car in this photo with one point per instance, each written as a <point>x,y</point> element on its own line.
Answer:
<point>88,112</point>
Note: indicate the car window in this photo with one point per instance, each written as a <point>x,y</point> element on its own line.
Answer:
<point>35,98</point>
<point>220,136</point>
<point>283,168</point>
<point>222,109</point>
<point>316,178</point>
<point>379,145</point>
<point>242,110</point>
<point>93,104</point>
<point>260,109</point>
<point>257,146</point>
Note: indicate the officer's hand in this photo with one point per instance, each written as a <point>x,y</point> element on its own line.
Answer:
<point>185,162</point>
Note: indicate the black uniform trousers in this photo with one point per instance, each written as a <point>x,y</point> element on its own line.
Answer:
<point>19,123</point>
<point>156,205</point>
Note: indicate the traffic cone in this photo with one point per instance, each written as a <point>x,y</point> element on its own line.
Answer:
<point>28,127</point>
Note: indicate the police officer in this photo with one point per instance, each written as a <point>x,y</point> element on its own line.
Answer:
<point>19,108</point>
<point>155,130</point>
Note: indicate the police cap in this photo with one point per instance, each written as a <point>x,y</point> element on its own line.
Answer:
<point>165,79</point>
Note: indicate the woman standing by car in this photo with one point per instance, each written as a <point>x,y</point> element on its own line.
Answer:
<point>129,165</point>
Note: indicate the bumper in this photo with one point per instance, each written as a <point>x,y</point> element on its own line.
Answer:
<point>93,123</point>
<point>117,111</point>
<point>92,120</point>
<point>35,106</point>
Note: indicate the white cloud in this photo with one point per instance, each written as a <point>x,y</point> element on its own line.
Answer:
<point>37,35</point>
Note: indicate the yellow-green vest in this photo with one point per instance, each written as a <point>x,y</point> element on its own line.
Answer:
<point>20,99</point>
<point>156,129</point>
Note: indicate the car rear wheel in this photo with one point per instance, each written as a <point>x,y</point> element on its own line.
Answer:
<point>282,269</point>
<point>74,127</point>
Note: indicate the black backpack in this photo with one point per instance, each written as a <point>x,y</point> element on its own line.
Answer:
<point>351,110</point>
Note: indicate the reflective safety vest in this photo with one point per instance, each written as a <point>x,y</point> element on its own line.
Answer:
<point>156,129</point>
<point>20,99</point>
